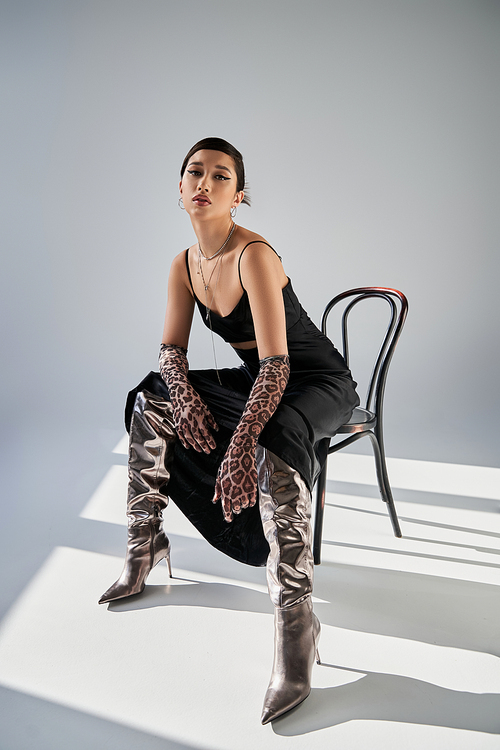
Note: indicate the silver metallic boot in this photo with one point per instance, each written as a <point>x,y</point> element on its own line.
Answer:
<point>285,507</point>
<point>152,438</point>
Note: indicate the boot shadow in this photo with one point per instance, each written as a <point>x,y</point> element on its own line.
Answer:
<point>387,697</point>
<point>196,594</point>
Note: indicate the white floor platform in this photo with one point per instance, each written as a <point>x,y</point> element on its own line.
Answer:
<point>410,632</point>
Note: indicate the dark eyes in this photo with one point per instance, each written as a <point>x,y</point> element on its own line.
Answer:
<point>195,173</point>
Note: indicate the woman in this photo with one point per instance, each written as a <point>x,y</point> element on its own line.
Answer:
<point>238,449</point>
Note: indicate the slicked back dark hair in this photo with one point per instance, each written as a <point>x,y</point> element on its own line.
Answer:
<point>219,144</point>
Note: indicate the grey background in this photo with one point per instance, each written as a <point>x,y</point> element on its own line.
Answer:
<point>370,134</point>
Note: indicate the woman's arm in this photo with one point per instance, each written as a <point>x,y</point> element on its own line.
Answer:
<point>263,278</point>
<point>192,416</point>
<point>180,305</point>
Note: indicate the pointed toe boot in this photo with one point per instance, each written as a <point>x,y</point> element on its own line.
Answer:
<point>152,438</point>
<point>296,636</point>
<point>285,507</point>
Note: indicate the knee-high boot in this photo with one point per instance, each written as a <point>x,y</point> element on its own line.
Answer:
<point>152,438</point>
<point>285,507</point>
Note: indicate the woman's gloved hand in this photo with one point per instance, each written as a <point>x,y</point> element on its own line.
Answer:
<point>236,484</point>
<point>192,417</point>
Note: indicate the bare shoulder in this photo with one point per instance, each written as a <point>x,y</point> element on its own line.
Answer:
<point>178,265</point>
<point>179,260</point>
<point>246,236</point>
<point>260,259</point>
<point>256,247</point>
<point>178,270</point>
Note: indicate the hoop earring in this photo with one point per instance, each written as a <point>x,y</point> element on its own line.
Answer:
<point>180,203</point>
<point>233,212</point>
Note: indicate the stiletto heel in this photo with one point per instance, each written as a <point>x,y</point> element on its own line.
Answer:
<point>167,558</point>
<point>316,635</point>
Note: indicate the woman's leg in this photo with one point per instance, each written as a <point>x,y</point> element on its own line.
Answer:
<point>285,506</point>
<point>152,438</point>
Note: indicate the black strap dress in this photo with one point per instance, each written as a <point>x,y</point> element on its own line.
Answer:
<point>319,398</point>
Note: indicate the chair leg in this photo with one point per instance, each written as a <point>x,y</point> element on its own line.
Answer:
<point>383,481</point>
<point>318,517</point>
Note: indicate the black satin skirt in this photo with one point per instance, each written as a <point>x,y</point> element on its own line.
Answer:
<point>315,404</point>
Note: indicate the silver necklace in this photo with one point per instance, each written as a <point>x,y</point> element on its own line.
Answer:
<point>206,285</point>
<point>208,307</point>
<point>221,248</point>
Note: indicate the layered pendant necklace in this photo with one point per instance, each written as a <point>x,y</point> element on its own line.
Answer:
<point>206,284</point>
<point>221,248</point>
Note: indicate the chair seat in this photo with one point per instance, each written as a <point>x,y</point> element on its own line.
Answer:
<point>362,420</point>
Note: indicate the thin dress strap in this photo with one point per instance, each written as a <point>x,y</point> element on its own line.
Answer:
<point>189,272</point>
<point>254,242</point>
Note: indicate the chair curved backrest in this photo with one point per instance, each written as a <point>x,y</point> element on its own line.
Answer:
<point>367,421</point>
<point>398,311</point>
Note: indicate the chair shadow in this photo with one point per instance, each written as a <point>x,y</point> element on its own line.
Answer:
<point>456,545</point>
<point>408,553</point>
<point>386,697</point>
<point>417,497</point>
<point>414,606</point>
<point>419,521</point>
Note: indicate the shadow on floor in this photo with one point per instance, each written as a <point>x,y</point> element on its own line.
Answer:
<point>27,722</point>
<point>385,697</point>
<point>196,594</point>
<point>429,609</point>
<point>408,553</point>
<point>423,522</point>
<point>419,497</point>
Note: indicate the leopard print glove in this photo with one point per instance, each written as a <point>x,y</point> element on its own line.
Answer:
<point>236,484</point>
<point>192,416</point>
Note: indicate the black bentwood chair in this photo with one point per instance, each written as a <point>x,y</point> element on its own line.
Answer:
<point>367,421</point>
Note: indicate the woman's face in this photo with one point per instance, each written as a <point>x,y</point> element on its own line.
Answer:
<point>208,186</point>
